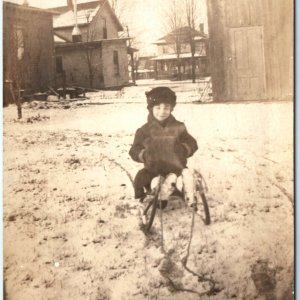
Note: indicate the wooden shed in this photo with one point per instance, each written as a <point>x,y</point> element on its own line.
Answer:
<point>28,47</point>
<point>251,49</point>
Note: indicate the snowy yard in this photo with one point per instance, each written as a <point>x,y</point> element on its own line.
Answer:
<point>71,225</point>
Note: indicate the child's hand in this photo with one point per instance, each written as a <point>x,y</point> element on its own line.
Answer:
<point>150,158</point>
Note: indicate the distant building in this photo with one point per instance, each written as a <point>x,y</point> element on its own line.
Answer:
<point>28,47</point>
<point>145,67</point>
<point>167,62</point>
<point>251,49</point>
<point>100,60</point>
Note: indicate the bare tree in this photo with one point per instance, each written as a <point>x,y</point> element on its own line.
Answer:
<point>89,50</point>
<point>133,57</point>
<point>15,60</point>
<point>173,24</point>
<point>191,9</point>
<point>136,65</point>
<point>115,7</point>
<point>92,34</point>
<point>122,9</point>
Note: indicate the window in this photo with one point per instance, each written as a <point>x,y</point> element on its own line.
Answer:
<point>167,49</point>
<point>19,41</point>
<point>104,33</point>
<point>104,29</point>
<point>185,48</point>
<point>200,48</point>
<point>162,66</point>
<point>116,62</point>
<point>59,64</point>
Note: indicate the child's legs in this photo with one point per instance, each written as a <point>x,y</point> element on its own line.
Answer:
<point>188,185</point>
<point>154,184</point>
<point>168,186</point>
<point>142,180</point>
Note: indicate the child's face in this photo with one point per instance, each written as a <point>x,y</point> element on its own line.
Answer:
<point>162,111</point>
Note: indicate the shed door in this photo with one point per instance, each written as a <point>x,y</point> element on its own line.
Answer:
<point>247,61</point>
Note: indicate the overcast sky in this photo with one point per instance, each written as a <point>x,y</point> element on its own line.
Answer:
<point>42,3</point>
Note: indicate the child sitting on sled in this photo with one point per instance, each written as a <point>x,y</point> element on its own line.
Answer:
<point>163,145</point>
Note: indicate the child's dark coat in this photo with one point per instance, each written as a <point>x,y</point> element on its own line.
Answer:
<point>167,146</point>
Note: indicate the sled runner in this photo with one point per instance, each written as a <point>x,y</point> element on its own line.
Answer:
<point>200,206</point>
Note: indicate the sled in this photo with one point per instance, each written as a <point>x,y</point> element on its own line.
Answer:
<point>200,205</point>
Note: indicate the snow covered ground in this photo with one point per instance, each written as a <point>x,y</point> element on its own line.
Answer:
<point>71,225</point>
<point>186,92</point>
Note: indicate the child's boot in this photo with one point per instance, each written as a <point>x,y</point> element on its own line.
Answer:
<point>179,184</point>
<point>188,186</point>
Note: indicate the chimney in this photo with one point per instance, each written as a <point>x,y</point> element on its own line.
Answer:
<point>201,28</point>
<point>76,34</point>
<point>70,4</point>
<point>25,3</point>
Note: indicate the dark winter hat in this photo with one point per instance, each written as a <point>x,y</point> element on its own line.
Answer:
<point>161,94</point>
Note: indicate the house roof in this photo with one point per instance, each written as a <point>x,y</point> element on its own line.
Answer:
<point>131,50</point>
<point>183,34</point>
<point>91,44</point>
<point>60,39</point>
<point>65,16</point>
